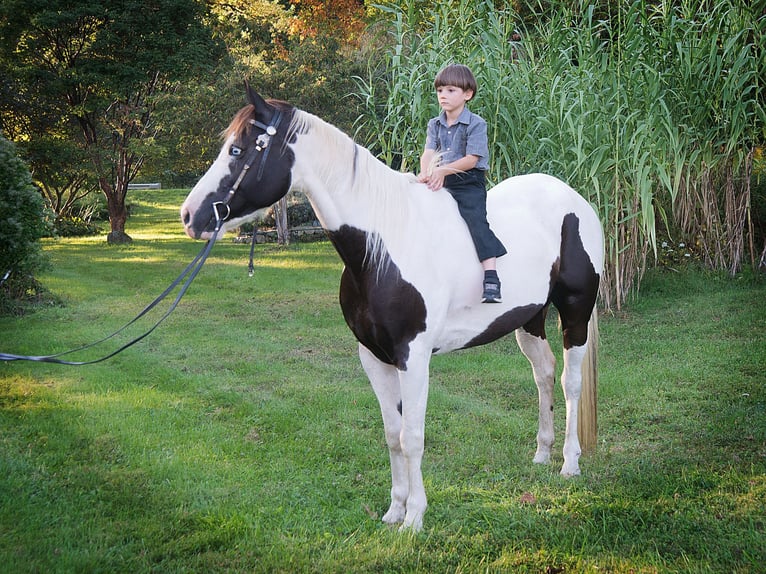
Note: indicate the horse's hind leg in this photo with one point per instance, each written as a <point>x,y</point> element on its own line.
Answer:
<point>574,295</point>
<point>574,312</point>
<point>532,342</point>
<point>385,382</point>
<point>571,382</point>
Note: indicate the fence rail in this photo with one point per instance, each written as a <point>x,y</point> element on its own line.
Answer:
<point>145,185</point>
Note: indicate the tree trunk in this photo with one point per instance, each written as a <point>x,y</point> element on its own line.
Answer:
<point>118,214</point>
<point>280,220</point>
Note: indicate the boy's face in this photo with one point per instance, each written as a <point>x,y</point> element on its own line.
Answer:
<point>452,98</point>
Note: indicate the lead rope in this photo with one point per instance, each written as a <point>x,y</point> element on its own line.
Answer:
<point>250,265</point>
<point>189,274</point>
<point>191,271</point>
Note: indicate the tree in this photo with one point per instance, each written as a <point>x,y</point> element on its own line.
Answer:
<point>97,68</point>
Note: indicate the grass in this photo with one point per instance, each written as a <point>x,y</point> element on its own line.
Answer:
<point>242,436</point>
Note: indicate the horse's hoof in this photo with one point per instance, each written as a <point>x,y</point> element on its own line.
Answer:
<point>394,515</point>
<point>569,472</point>
<point>414,525</point>
<point>541,458</point>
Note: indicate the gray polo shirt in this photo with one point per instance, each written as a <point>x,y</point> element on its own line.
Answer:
<point>467,136</point>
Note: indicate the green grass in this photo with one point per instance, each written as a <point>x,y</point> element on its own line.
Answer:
<point>242,436</point>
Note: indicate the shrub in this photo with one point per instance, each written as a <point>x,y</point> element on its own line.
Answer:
<point>299,214</point>
<point>74,226</point>
<point>22,224</point>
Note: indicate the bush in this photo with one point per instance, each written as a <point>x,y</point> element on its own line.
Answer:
<point>74,226</point>
<point>22,224</point>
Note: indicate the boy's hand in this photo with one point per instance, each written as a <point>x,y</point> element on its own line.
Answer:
<point>435,181</point>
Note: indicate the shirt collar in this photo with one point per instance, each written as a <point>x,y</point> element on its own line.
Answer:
<point>463,118</point>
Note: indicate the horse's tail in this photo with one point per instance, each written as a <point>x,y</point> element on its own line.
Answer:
<point>587,420</point>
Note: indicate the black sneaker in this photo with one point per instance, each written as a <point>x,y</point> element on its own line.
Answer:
<point>491,293</point>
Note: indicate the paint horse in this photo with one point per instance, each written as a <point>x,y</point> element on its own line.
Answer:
<point>411,286</point>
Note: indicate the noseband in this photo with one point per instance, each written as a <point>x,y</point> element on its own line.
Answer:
<point>261,147</point>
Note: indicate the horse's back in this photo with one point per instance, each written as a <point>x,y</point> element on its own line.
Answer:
<point>530,209</point>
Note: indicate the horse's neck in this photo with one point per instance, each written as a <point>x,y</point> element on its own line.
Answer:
<point>344,182</point>
<point>319,153</point>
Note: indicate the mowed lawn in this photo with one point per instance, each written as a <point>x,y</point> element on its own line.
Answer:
<point>242,436</point>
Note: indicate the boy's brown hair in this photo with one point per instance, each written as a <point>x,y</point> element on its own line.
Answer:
<point>456,75</point>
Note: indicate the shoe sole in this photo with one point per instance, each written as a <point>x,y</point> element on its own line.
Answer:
<point>491,300</point>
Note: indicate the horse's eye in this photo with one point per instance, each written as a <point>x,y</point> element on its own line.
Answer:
<point>235,151</point>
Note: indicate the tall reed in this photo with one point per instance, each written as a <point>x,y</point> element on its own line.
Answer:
<point>650,110</point>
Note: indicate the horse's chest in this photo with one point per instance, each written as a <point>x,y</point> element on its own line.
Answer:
<point>384,311</point>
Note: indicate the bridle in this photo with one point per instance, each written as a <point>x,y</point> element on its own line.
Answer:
<point>261,147</point>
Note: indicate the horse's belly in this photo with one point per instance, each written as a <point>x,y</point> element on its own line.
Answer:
<point>481,324</point>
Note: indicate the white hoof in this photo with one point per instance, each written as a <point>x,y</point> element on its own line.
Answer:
<point>542,458</point>
<point>573,470</point>
<point>395,514</point>
<point>412,523</point>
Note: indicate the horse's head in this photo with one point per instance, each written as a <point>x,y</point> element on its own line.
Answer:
<point>252,170</point>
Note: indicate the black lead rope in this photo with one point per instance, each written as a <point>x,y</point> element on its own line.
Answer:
<point>251,265</point>
<point>188,274</point>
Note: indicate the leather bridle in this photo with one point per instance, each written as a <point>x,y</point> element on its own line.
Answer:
<point>261,147</point>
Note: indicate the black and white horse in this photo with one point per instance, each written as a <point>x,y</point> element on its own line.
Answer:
<point>412,282</point>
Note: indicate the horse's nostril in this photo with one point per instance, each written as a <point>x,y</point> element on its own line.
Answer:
<point>185,216</point>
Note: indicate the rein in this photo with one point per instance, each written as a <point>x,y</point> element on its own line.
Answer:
<point>187,275</point>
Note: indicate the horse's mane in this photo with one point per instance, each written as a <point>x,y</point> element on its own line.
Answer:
<point>352,167</point>
<point>240,125</point>
<point>346,165</point>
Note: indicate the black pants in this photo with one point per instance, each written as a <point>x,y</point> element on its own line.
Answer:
<point>470,192</point>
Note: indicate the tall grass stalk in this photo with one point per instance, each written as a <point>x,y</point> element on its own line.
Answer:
<point>651,111</point>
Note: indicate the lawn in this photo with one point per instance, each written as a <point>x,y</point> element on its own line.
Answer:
<point>241,436</point>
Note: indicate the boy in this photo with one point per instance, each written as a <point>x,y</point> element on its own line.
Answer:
<point>458,139</point>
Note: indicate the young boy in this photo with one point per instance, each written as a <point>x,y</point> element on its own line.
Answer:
<point>458,138</point>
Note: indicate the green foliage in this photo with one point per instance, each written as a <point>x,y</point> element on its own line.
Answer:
<point>98,69</point>
<point>317,77</point>
<point>267,44</point>
<point>242,435</point>
<point>22,224</point>
<point>74,226</point>
<point>652,112</point>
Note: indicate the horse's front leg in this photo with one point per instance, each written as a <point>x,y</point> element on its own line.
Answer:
<point>571,381</point>
<point>385,383</point>
<point>413,385</point>
<point>403,397</point>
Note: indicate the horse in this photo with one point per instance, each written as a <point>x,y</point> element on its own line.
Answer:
<point>411,284</point>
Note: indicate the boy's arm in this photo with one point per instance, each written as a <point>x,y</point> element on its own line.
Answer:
<point>463,164</point>
<point>436,178</point>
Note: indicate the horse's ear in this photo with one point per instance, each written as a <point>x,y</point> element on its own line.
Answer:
<point>254,97</point>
